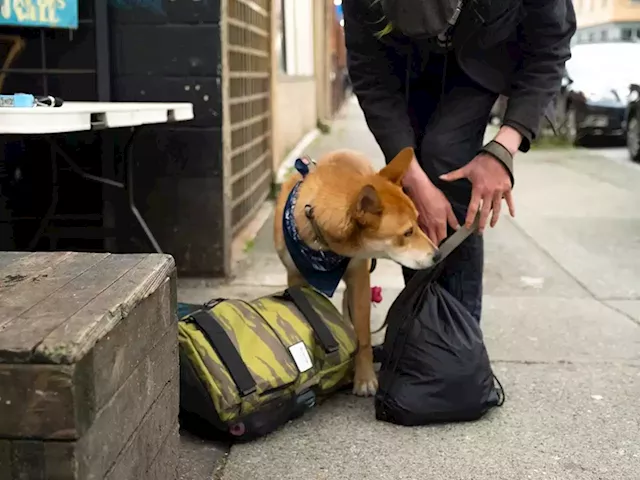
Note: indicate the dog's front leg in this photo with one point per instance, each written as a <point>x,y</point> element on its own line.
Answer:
<point>358,307</point>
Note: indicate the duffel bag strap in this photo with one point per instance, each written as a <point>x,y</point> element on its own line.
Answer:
<point>226,350</point>
<point>326,338</point>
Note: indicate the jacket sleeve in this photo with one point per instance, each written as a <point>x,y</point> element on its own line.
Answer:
<point>378,88</point>
<point>546,33</point>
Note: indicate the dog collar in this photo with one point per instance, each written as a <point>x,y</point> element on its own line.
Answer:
<point>322,269</point>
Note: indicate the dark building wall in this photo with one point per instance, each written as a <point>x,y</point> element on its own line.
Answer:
<point>171,53</point>
<point>61,63</point>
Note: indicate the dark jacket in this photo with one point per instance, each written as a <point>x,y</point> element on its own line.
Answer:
<point>514,47</point>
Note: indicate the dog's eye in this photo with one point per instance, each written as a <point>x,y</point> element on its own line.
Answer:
<point>409,232</point>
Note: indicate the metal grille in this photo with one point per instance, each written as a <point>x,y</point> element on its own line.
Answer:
<point>249,108</point>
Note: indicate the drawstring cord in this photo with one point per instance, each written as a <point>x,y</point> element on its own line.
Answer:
<point>500,391</point>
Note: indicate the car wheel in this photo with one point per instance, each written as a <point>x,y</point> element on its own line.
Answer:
<point>572,133</point>
<point>633,136</point>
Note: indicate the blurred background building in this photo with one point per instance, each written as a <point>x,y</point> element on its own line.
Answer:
<point>607,20</point>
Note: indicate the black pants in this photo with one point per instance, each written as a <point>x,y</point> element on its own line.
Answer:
<point>449,123</point>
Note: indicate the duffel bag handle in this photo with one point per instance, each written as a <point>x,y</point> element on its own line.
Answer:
<point>300,300</point>
<point>226,350</point>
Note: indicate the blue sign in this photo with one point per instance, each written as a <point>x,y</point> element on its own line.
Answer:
<point>39,13</point>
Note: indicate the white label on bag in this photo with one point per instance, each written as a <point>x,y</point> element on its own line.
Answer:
<point>301,356</point>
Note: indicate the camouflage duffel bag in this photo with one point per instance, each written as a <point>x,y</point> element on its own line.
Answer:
<point>248,367</point>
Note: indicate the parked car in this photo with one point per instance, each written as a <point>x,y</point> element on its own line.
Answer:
<point>632,122</point>
<point>595,92</point>
<point>498,109</point>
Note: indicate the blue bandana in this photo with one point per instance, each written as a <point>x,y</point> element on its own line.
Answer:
<point>322,269</point>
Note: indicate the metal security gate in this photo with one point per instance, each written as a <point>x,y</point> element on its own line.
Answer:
<point>247,107</point>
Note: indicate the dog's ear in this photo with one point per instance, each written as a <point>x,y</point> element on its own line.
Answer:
<point>368,206</point>
<point>397,167</point>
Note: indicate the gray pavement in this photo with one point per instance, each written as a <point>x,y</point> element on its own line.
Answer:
<point>561,319</point>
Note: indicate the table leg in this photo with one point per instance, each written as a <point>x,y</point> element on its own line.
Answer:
<point>44,223</point>
<point>127,185</point>
<point>74,166</point>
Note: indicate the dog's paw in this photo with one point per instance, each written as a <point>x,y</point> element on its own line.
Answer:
<point>365,385</point>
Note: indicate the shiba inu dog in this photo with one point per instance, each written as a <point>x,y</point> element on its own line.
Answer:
<point>332,219</point>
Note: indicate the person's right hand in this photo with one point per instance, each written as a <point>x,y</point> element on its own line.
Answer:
<point>434,209</point>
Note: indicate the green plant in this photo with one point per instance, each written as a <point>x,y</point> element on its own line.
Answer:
<point>248,245</point>
<point>550,142</point>
<point>275,189</point>
<point>324,127</point>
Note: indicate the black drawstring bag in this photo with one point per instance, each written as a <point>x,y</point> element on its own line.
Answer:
<point>435,367</point>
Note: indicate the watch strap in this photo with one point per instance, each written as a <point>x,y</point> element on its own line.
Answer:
<point>500,153</point>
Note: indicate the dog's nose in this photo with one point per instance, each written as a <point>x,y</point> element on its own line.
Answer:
<point>437,256</point>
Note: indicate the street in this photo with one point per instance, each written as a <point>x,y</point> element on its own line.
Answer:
<point>561,319</point>
<point>619,155</point>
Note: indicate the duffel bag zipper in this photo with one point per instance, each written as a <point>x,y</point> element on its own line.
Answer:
<point>212,303</point>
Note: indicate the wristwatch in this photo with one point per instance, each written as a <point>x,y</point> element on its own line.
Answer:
<point>500,153</point>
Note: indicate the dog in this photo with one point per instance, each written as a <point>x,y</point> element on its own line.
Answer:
<point>332,219</point>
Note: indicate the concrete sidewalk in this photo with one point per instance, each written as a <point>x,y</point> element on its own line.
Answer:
<point>561,321</point>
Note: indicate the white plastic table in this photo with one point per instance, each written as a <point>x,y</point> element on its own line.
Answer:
<point>83,116</point>
<point>45,122</point>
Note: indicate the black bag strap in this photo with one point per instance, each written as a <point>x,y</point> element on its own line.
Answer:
<point>454,241</point>
<point>326,338</point>
<point>444,250</point>
<point>423,277</point>
<point>226,350</point>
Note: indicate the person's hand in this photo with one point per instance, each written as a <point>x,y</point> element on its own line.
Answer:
<point>434,209</point>
<point>490,182</point>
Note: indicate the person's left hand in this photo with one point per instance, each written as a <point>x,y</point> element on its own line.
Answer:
<point>490,184</point>
<point>490,181</point>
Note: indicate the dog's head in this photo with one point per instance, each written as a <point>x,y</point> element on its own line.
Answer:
<point>387,220</point>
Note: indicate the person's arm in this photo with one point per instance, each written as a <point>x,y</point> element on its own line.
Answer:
<point>546,33</point>
<point>379,91</point>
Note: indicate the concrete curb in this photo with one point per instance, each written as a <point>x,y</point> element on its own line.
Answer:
<point>296,152</point>
<point>246,235</point>
<point>308,139</point>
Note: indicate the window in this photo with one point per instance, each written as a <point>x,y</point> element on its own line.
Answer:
<point>280,43</point>
<point>297,49</point>
<point>604,35</point>
<point>626,34</point>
